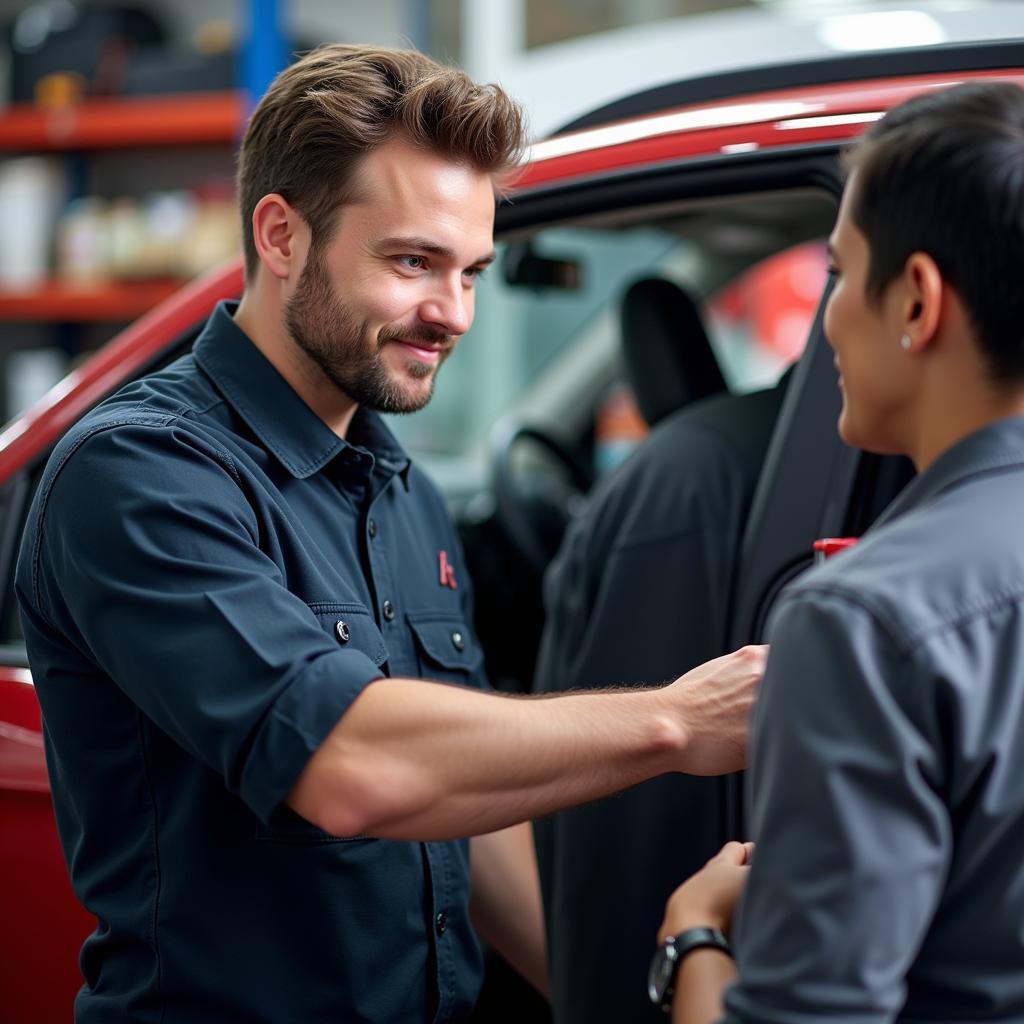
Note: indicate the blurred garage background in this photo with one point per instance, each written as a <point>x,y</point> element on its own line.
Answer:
<point>120,120</point>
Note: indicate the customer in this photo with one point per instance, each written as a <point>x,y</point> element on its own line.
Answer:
<point>888,745</point>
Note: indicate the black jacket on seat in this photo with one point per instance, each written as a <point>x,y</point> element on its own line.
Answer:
<point>639,593</point>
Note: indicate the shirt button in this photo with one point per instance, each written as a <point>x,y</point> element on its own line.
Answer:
<point>441,923</point>
<point>458,641</point>
<point>371,528</point>
<point>389,610</point>
<point>341,628</point>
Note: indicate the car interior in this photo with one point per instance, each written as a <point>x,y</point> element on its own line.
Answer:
<point>636,298</point>
<point>664,323</point>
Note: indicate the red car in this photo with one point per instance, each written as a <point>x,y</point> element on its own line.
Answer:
<point>703,183</point>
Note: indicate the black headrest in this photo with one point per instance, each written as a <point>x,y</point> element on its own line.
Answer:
<point>669,360</point>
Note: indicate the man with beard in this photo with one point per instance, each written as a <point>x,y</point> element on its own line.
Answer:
<point>259,797</point>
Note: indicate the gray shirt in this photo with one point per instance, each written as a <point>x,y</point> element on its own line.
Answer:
<point>887,766</point>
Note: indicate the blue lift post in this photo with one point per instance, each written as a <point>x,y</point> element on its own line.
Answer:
<point>266,48</point>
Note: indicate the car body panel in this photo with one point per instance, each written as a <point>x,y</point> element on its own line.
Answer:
<point>767,120</point>
<point>120,360</point>
<point>45,925</point>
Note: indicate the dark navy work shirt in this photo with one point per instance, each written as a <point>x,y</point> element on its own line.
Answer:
<point>208,579</point>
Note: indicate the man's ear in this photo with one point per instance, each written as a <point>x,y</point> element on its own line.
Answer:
<point>278,232</point>
<point>922,312</point>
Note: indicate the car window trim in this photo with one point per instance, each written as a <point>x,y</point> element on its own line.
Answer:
<point>708,177</point>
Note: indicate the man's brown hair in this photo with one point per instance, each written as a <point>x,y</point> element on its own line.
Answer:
<point>322,115</point>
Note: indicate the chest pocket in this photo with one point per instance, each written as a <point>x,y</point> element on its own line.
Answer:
<point>445,648</point>
<point>351,627</point>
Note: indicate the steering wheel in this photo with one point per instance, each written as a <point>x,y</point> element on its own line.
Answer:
<point>534,506</point>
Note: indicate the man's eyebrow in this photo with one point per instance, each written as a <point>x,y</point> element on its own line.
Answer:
<point>426,245</point>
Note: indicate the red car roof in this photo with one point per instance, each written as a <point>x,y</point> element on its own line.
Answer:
<point>767,120</point>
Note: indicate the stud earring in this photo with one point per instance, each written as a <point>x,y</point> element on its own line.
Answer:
<point>905,343</point>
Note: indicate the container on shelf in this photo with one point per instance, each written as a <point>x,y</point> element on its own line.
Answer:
<point>32,191</point>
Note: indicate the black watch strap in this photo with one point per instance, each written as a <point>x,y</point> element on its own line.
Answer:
<point>661,978</point>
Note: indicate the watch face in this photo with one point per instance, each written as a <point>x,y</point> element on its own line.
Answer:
<point>662,972</point>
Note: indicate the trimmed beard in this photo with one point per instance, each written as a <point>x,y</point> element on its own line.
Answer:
<point>323,326</point>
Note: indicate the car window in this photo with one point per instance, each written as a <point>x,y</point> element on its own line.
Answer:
<point>759,323</point>
<point>522,326</point>
<point>545,345</point>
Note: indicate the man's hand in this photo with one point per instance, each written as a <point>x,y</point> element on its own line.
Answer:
<point>708,898</point>
<point>715,700</point>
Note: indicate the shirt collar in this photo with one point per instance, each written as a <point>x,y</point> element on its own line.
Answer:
<point>296,436</point>
<point>995,447</point>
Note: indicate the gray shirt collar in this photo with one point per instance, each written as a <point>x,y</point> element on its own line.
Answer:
<point>994,448</point>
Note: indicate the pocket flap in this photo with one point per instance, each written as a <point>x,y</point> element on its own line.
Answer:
<point>445,640</point>
<point>352,626</point>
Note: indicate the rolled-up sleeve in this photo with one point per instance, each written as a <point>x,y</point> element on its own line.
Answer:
<point>150,557</point>
<point>853,837</point>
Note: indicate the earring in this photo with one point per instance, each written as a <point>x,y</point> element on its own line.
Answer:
<point>905,343</point>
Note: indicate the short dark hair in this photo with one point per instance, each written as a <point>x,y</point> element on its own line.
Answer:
<point>326,111</point>
<point>943,174</point>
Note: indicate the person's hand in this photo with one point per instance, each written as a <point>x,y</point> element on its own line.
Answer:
<point>708,898</point>
<point>714,702</point>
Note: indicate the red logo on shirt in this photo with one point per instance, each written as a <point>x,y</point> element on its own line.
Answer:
<point>447,571</point>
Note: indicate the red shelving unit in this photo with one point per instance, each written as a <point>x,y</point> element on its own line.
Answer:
<point>107,302</point>
<point>212,118</point>
<point>178,120</point>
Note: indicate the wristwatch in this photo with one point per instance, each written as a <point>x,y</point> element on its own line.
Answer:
<point>661,977</point>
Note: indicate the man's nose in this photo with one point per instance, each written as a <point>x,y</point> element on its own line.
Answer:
<point>450,306</point>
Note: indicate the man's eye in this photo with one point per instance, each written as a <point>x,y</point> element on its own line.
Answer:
<point>413,262</point>
<point>474,273</point>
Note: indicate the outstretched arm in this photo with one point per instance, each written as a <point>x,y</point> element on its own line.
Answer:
<point>422,761</point>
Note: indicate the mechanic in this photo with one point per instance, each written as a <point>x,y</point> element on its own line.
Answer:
<point>888,745</point>
<point>233,584</point>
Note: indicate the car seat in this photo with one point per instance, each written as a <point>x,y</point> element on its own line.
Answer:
<point>668,356</point>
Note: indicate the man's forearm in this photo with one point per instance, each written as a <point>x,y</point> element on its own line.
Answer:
<point>505,904</point>
<point>419,760</point>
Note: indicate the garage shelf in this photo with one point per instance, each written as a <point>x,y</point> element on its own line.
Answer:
<point>107,302</point>
<point>169,120</point>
